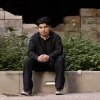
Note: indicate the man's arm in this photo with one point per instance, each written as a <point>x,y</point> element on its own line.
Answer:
<point>58,48</point>
<point>31,49</point>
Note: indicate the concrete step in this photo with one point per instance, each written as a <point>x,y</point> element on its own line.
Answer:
<point>44,82</point>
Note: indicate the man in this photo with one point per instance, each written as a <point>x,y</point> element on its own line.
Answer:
<point>45,53</point>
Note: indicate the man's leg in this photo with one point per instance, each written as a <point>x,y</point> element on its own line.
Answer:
<point>27,74</point>
<point>60,70</point>
<point>29,66</point>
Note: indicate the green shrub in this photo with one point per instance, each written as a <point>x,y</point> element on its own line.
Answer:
<point>80,53</point>
<point>12,51</point>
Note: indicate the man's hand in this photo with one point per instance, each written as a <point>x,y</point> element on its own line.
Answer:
<point>43,58</point>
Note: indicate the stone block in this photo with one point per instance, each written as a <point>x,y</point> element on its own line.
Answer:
<point>98,36</point>
<point>88,27</point>
<point>73,82</point>
<point>21,81</point>
<point>9,15</point>
<point>30,29</point>
<point>59,27</point>
<point>42,77</point>
<point>88,12</point>
<point>9,82</point>
<point>98,32</point>
<point>13,23</point>
<point>90,81</point>
<point>71,28</point>
<point>98,27</point>
<point>2,31</point>
<point>61,33</point>
<point>17,31</point>
<point>86,19</point>
<point>28,26</point>
<point>2,24</point>
<point>98,20</point>
<point>30,32</point>
<point>1,14</point>
<point>72,21</point>
<point>1,9</point>
<point>98,12</point>
<point>89,31</point>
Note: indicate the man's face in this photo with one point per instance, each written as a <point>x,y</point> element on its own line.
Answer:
<point>44,29</point>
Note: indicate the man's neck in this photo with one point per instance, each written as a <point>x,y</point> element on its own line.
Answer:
<point>45,37</point>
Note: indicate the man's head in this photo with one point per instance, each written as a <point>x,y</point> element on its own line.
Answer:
<point>44,25</point>
<point>43,20</point>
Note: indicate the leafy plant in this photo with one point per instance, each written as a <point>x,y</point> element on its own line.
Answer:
<point>12,51</point>
<point>80,53</point>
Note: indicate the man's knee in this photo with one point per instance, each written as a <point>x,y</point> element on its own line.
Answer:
<point>60,63</point>
<point>28,64</point>
<point>60,58</point>
<point>28,60</point>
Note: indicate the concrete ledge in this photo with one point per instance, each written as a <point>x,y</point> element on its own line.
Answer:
<point>75,82</point>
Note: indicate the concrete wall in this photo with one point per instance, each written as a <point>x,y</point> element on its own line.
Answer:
<point>75,82</point>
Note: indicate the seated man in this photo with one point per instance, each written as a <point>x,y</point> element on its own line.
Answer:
<point>45,53</point>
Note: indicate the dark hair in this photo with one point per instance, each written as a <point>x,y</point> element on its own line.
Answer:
<point>42,20</point>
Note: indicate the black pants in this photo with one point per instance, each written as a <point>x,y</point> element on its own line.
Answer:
<point>57,65</point>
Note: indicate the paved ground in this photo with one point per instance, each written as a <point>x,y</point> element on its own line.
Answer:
<point>70,96</point>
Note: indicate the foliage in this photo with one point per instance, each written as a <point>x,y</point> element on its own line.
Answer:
<point>80,53</point>
<point>12,51</point>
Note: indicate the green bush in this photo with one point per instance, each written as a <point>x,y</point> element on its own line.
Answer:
<point>80,53</point>
<point>12,51</point>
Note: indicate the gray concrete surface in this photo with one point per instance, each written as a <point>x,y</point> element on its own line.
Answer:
<point>69,96</point>
<point>75,82</point>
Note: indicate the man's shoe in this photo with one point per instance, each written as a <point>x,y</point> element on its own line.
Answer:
<point>59,92</point>
<point>26,93</point>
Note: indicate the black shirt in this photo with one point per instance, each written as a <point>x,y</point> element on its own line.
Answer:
<point>51,46</point>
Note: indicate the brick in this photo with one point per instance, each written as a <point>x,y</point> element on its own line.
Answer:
<point>98,20</point>
<point>1,9</point>
<point>30,29</point>
<point>9,15</point>
<point>2,24</point>
<point>71,20</point>
<point>9,82</point>
<point>2,31</point>
<point>85,19</point>
<point>98,27</point>
<point>1,14</point>
<point>88,27</point>
<point>13,23</point>
<point>88,12</point>
<point>98,12</point>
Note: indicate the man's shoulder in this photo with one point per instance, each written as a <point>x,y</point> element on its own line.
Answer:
<point>55,34</point>
<point>35,35</point>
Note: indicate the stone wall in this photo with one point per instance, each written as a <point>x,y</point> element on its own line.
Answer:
<point>76,22</point>
<point>9,20</point>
